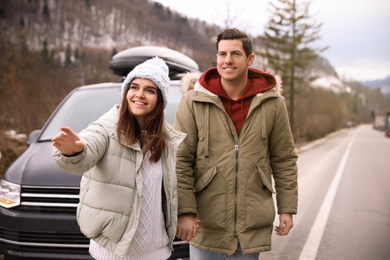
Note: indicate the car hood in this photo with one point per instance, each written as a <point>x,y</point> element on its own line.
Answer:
<point>37,167</point>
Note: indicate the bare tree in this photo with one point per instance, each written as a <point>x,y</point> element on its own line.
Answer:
<point>230,15</point>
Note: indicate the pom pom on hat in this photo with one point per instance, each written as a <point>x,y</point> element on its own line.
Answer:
<point>154,69</point>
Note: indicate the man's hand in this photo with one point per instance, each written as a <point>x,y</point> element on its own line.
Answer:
<point>285,224</point>
<point>68,142</point>
<point>187,227</point>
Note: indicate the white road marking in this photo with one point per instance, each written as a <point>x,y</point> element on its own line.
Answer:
<point>313,241</point>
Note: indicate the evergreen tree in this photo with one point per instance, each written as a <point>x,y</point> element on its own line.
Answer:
<point>76,60</point>
<point>68,54</point>
<point>46,11</point>
<point>21,22</point>
<point>286,41</point>
<point>88,4</point>
<point>76,54</point>
<point>45,51</point>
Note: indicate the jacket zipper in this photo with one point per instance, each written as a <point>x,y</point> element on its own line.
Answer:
<point>236,177</point>
<point>235,192</point>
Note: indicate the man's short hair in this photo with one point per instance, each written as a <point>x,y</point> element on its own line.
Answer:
<point>232,34</point>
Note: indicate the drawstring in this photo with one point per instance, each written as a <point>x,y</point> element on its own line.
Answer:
<point>263,122</point>
<point>207,131</point>
<point>242,112</point>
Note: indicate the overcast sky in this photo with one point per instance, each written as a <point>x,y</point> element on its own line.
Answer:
<point>356,31</point>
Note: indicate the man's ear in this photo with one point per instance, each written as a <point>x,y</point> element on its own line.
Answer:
<point>250,59</point>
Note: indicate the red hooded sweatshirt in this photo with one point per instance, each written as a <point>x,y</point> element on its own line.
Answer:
<point>258,82</point>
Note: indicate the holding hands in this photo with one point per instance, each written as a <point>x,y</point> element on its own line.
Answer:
<point>187,227</point>
<point>68,142</point>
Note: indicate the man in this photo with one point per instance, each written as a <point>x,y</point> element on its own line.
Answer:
<point>238,139</point>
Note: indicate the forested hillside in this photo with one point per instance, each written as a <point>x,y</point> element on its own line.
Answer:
<point>49,47</point>
<point>119,24</point>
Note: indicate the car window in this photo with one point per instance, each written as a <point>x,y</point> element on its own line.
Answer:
<point>81,108</point>
<point>174,96</point>
<point>87,105</point>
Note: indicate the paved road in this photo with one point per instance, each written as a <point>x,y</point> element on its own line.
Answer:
<point>344,200</point>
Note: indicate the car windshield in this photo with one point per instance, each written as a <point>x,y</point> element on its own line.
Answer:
<point>87,105</point>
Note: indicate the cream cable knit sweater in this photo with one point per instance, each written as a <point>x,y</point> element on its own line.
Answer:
<point>150,240</point>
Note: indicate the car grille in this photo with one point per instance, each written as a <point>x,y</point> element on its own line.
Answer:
<point>47,239</point>
<point>41,199</point>
<point>27,247</point>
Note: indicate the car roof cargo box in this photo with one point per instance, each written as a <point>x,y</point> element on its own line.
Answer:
<point>123,62</point>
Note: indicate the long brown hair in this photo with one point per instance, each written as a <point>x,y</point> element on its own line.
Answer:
<point>152,137</point>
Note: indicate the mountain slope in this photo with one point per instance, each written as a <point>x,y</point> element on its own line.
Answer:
<point>383,84</point>
<point>111,24</point>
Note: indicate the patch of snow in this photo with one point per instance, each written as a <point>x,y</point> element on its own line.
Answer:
<point>12,134</point>
<point>330,82</point>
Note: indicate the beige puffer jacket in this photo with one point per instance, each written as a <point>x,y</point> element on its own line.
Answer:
<point>111,187</point>
<point>225,179</point>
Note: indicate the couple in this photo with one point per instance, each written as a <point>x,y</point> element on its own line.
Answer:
<point>208,180</point>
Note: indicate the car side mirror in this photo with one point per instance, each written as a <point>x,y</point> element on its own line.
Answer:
<point>33,136</point>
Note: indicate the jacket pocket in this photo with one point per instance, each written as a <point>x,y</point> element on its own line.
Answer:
<point>98,223</point>
<point>260,205</point>
<point>100,215</point>
<point>211,199</point>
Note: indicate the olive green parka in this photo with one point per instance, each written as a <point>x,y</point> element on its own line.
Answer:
<point>226,180</point>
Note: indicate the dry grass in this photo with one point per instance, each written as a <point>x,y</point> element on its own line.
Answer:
<point>11,147</point>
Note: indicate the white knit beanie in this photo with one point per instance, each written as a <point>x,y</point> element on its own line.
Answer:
<point>154,69</point>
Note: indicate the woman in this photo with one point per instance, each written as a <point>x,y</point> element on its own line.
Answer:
<point>128,199</point>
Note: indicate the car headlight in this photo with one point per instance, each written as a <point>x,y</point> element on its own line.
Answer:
<point>9,194</point>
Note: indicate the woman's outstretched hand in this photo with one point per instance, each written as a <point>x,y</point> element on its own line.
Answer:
<point>68,142</point>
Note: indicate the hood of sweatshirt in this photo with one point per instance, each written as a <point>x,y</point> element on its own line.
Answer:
<point>258,82</point>
<point>190,79</point>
